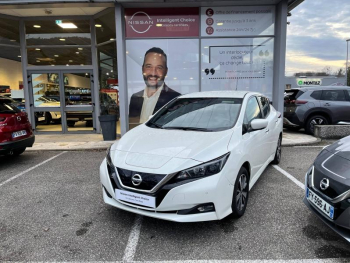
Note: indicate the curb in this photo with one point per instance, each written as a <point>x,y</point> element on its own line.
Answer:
<point>318,140</point>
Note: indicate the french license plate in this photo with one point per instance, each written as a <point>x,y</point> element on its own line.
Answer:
<point>320,203</point>
<point>135,198</point>
<point>19,134</point>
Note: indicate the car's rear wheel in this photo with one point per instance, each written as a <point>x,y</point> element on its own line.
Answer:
<point>17,152</point>
<point>70,123</point>
<point>48,118</point>
<point>240,193</point>
<point>278,153</point>
<point>315,120</point>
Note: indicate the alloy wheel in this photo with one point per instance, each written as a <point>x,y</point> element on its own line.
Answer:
<point>242,192</point>
<point>279,150</point>
<point>316,121</point>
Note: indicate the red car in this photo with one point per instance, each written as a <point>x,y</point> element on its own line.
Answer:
<point>16,132</point>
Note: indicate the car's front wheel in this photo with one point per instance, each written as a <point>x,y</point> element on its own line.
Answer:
<point>278,153</point>
<point>240,193</point>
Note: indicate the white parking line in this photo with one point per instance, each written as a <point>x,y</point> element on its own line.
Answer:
<point>28,170</point>
<point>291,177</point>
<point>327,260</point>
<point>134,236</point>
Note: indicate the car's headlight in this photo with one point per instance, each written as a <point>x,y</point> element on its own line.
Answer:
<point>110,166</point>
<point>203,170</point>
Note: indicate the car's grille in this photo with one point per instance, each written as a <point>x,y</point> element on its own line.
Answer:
<point>335,188</point>
<point>149,181</point>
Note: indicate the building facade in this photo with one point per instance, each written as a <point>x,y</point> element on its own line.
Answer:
<point>72,61</point>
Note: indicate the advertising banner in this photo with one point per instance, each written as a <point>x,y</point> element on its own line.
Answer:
<point>237,21</point>
<point>237,64</point>
<point>158,70</point>
<point>161,22</point>
<point>309,82</point>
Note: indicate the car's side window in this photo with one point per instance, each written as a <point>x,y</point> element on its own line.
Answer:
<point>316,94</point>
<point>333,95</point>
<point>265,104</point>
<point>252,112</point>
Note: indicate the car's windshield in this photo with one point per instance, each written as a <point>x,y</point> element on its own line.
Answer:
<point>7,107</point>
<point>202,114</point>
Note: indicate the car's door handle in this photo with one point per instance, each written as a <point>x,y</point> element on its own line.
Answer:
<point>327,104</point>
<point>267,130</point>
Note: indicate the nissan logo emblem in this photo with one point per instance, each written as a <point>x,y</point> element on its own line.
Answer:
<point>19,118</point>
<point>324,184</point>
<point>136,179</point>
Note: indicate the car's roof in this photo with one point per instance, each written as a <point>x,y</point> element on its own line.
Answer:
<point>319,88</point>
<point>218,94</point>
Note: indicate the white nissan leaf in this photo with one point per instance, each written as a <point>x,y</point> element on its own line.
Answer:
<point>195,159</point>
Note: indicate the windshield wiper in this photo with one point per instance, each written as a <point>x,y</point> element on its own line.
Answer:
<point>186,128</point>
<point>156,125</point>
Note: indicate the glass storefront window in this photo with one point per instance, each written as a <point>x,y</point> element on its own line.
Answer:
<point>105,27</point>
<point>46,90</point>
<point>59,56</point>
<point>58,32</point>
<point>77,89</point>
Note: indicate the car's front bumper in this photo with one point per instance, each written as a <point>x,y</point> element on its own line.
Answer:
<point>345,233</point>
<point>214,189</point>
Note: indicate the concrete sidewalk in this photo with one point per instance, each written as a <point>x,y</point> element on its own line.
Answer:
<point>73,142</point>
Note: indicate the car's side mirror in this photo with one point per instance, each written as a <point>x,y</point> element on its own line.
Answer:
<point>258,124</point>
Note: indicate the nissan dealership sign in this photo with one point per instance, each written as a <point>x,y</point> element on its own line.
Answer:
<point>309,82</point>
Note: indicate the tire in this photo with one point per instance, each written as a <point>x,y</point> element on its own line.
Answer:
<point>315,120</point>
<point>17,152</point>
<point>48,118</point>
<point>240,198</point>
<point>70,123</point>
<point>278,153</point>
<point>297,128</point>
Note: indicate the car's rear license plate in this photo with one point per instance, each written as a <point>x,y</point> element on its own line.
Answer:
<point>320,203</point>
<point>19,134</point>
<point>135,198</point>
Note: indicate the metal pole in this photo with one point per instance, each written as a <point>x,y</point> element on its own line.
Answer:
<point>346,64</point>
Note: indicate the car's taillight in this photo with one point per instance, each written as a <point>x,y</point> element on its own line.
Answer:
<point>2,119</point>
<point>300,102</point>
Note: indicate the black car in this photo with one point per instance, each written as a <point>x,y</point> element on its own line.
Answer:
<point>309,106</point>
<point>327,185</point>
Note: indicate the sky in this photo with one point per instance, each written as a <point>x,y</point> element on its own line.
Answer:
<point>316,36</point>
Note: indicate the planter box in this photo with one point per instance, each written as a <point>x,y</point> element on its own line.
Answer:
<point>332,131</point>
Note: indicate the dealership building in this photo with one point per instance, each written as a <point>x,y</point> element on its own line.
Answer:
<point>69,61</point>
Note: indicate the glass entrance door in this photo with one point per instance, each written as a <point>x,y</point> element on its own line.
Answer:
<point>62,101</point>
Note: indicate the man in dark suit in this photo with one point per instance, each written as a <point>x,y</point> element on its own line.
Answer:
<point>156,93</point>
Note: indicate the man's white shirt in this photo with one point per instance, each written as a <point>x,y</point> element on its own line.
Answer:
<point>149,103</point>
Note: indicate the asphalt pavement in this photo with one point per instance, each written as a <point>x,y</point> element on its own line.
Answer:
<point>51,209</point>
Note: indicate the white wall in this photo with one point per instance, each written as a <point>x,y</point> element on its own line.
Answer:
<point>10,73</point>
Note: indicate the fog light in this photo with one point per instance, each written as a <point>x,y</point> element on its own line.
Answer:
<point>206,208</point>
<point>202,208</point>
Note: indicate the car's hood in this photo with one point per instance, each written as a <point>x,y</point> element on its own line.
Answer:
<point>341,148</point>
<point>146,145</point>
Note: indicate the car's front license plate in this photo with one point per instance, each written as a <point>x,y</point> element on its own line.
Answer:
<point>18,134</point>
<point>135,198</point>
<point>320,203</point>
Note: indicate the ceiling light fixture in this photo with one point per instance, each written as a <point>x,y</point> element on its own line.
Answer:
<point>19,56</point>
<point>77,53</point>
<point>38,49</point>
<point>98,25</point>
<point>67,25</point>
<point>70,61</point>
<point>111,39</point>
<point>37,26</point>
<point>13,40</point>
<point>62,39</point>
<point>80,48</point>
<point>56,56</point>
